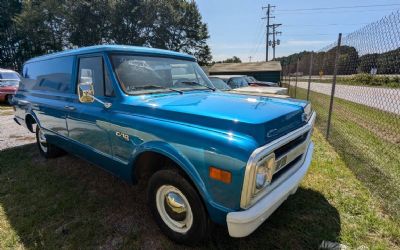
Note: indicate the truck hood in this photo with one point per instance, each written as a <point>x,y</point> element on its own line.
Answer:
<point>263,118</point>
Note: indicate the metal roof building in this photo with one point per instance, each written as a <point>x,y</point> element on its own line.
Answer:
<point>262,71</point>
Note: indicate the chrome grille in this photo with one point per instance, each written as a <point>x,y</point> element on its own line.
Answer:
<point>290,151</point>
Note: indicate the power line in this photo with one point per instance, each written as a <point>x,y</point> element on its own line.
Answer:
<point>313,34</point>
<point>257,41</point>
<point>343,7</point>
<point>333,12</point>
<point>322,25</point>
<point>260,41</point>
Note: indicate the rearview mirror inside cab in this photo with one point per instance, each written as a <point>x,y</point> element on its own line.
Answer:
<point>86,92</point>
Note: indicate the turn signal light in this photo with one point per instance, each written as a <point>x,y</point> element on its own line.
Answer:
<point>220,175</point>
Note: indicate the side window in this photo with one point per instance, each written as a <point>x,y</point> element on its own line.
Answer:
<point>233,83</point>
<point>91,71</point>
<point>49,75</point>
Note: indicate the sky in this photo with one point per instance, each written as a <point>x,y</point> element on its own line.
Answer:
<point>236,27</point>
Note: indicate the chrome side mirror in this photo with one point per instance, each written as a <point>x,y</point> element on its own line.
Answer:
<point>86,94</point>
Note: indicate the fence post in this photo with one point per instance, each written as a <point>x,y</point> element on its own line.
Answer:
<point>309,76</point>
<point>333,85</point>
<point>297,73</point>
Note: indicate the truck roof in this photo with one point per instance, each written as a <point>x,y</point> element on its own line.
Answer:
<point>113,48</point>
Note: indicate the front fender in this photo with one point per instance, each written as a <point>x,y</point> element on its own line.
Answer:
<point>176,156</point>
<point>216,211</point>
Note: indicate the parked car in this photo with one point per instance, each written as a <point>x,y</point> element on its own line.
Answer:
<point>253,81</point>
<point>240,83</point>
<point>9,81</point>
<point>221,85</point>
<point>152,115</point>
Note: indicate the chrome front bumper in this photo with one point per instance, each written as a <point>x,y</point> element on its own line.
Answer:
<point>243,223</point>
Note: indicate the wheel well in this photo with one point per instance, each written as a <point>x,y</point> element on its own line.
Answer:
<point>149,162</point>
<point>29,120</point>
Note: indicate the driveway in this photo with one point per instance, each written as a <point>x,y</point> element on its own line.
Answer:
<point>381,98</point>
<point>11,134</point>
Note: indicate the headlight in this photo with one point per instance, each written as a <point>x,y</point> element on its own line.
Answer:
<point>265,170</point>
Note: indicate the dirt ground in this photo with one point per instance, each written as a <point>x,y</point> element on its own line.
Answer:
<point>12,134</point>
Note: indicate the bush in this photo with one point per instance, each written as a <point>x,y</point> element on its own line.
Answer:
<point>372,80</point>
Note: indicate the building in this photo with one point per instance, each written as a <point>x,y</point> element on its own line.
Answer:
<point>262,71</point>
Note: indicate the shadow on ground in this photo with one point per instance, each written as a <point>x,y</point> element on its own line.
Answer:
<point>67,202</point>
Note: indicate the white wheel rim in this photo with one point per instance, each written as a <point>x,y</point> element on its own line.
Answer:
<point>182,208</point>
<point>42,141</point>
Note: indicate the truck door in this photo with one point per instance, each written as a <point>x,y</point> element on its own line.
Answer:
<point>88,123</point>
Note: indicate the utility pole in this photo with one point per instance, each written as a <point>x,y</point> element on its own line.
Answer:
<point>274,41</point>
<point>268,17</point>
<point>250,58</point>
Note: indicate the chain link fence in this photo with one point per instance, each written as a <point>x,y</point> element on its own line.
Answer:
<point>354,86</point>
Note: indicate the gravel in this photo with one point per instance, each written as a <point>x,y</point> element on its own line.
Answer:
<point>12,134</point>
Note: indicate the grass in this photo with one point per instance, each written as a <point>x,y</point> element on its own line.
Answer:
<point>69,203</point>
<point>368,140</point>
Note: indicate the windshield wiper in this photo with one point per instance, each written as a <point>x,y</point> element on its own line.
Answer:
<point>157,87</point>
<point>197,83</point>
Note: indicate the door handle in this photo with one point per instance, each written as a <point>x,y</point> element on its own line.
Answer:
<point>70,108</point>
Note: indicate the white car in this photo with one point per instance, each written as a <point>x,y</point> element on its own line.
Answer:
<point>238,84</point>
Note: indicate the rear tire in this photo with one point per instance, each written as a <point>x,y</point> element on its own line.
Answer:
<point>46,149</point>
<point>9,99</point>
<point>177,208</point>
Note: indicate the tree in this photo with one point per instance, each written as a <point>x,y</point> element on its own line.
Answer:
<point>8,32</point>
<point>234,59</point>
<point>40,29</point>
<point>31,28</point>
<point>88,22</point>
<point>348,60</point>
<point>175,25</point>
<point>388,62</point>
<point>367,62</point>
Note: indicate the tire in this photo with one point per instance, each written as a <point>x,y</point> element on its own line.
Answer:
<point>166,186</point>
<point>46,149</point>
<point>9,99</point>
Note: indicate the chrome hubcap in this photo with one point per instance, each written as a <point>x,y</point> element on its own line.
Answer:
<point>174,208</point>
<point>42,141</point>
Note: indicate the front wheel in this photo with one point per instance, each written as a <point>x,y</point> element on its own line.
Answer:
<point>177,208</point>
<point>46,149</point>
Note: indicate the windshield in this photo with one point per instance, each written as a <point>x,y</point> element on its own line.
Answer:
<point>9,76</point>
<point>251,79</point>
<point>238,82</point>
<point>219,84</point>
<point>145,74</point>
